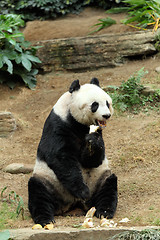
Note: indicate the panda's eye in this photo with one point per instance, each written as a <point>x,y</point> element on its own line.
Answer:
<point>107,104</point>
<point>94,106</point>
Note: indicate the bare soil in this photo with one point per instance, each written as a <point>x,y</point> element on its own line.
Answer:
<point>132,141</point>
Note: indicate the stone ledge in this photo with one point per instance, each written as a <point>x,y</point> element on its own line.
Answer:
<point>70,233</point>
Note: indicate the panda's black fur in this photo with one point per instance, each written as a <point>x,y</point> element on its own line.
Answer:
<point>69,155</point>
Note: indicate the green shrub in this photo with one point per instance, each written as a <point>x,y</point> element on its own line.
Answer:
<point>106,4</point>
<point>15,200</point>
<point>17,56</point>
<point>129,95</point>
<point>45,9</point>
<point>142,13</point>
<point>146,234</point>
<point>11,207</point>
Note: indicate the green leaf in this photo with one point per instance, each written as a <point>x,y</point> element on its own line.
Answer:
<point>28,77</point>
<point>18,48</point>
<point>9,64</point>
<point>33,58</point>
<point>9,53</point>
<point>20,206</point>
<point>4,235</point>
<point>117,10</point>
<point>1,63</point>
<point>30,81</point>
<point>11,41</point>
<point>25,44</point>
<point>135,2</point>
<point>36,47</point>
<point>9,30</point>
<point>3,191</point>
<point>18,59</point>
<point>104,22</point>
<point>26,63</point>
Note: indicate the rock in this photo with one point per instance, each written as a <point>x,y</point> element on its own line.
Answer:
<point>70,233</point>
<point>66,234</point>
<point>157,69</point>
<point>15,168</point>
<point>147,91</point>
<point>7,124</point>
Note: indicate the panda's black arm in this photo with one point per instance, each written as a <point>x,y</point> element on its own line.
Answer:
<point>68,172</point>
<point>93,151</point>
<point>62,157</point>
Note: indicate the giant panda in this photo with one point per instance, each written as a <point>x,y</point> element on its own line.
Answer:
<point>71,166</point>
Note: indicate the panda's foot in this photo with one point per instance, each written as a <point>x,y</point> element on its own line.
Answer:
<point>103,213</point>
<point>49,226</point>
<point>37,226</point>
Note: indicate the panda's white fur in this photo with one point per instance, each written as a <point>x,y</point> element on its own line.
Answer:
<point>62,106</point>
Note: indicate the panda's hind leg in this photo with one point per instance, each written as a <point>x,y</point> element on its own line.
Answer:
<point>42,202</point>
<point>104,199</point>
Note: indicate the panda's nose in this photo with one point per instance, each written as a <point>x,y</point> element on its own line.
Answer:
<point>106,116</point>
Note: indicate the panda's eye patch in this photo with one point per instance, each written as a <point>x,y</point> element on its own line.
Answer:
<point>94,106</point>
<point>107,104</point>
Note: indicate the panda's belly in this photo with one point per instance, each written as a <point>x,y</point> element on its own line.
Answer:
<point>93,177</point>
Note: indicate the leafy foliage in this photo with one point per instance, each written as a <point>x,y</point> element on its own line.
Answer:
<point>45,9</point>
<point>142,13</point>
<point>17,56</point>
<point>157,44</point>
<point>14,199</point>
<point>106,4</point>
<point>150,234</point>
<point>103,22</point>
<point>129,95</point>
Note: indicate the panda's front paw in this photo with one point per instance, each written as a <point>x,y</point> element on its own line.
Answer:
<point>94,141</point>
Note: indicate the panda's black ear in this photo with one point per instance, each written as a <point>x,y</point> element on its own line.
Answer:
<point>75,86</point>
<point>95,81</point>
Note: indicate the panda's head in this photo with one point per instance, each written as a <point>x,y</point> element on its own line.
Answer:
<point>90,104</point>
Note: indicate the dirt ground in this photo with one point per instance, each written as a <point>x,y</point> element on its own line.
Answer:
<point>132,141</point>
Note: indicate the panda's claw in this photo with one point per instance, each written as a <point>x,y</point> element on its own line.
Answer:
<point>103,213</point>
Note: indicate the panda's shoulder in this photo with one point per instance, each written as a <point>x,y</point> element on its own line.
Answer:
<point>54,123</point>
<point>61,108</point>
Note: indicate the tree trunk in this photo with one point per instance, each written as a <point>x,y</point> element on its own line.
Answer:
<point>93,52</point>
